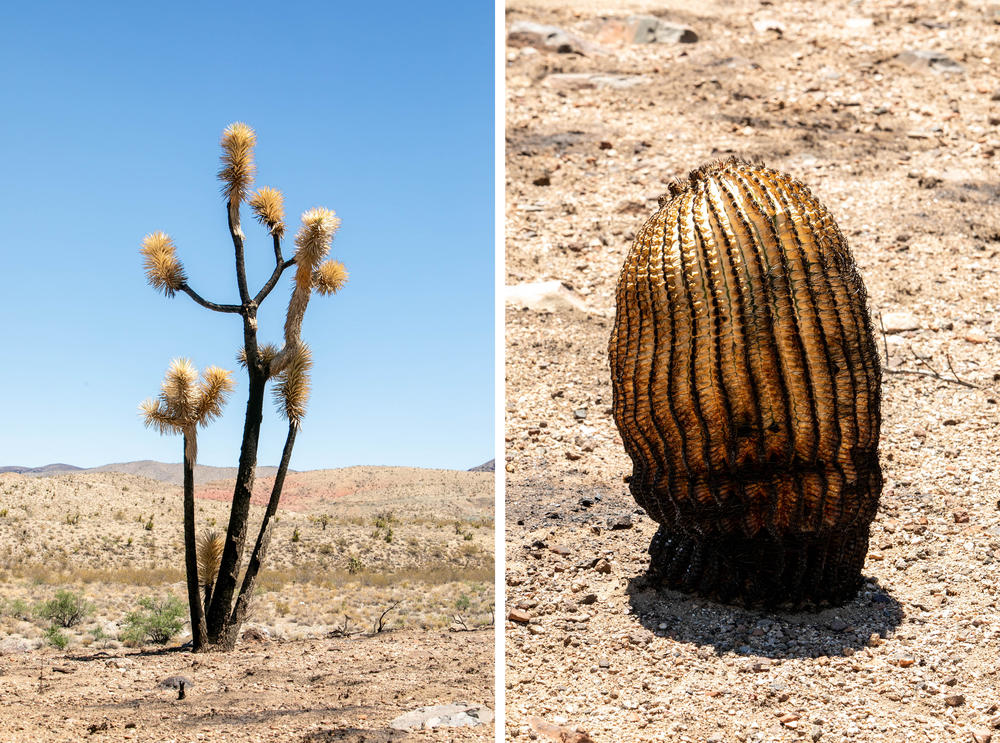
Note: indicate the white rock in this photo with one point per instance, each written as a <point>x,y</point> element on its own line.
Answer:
<point>546,296</point>
<point>899,322</point>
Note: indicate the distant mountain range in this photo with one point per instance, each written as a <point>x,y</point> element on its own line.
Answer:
<point>162,471</point>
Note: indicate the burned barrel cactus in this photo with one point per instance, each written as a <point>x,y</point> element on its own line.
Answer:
<point>747,388</point>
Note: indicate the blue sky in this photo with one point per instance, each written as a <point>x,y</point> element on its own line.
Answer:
<point>111,121</point>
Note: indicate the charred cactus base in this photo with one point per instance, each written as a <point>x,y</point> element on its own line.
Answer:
<point>764,571</point>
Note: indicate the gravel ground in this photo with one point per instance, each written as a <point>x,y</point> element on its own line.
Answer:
<point>316,691</point>
<point>903,152</point>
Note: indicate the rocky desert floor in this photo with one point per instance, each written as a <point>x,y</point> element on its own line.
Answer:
<point>888,111</point>
<point>348,545</point>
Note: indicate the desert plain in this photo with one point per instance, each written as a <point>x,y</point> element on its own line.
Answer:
<point>376,599</point>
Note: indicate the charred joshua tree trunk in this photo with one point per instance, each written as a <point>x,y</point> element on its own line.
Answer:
<point>232,555</point>
<point>747,390</point>
<point>199,634</point>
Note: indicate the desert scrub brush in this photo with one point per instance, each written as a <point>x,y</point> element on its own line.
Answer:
<point>746,385</point>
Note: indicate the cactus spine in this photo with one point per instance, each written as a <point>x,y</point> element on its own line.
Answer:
<point>746,387</point>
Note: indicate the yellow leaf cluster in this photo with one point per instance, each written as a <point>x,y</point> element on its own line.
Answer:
<point>238,167</point>
<point>330,277</point>
<point>185,402</point>
<point>291,394</point>
<point>164,271</point>
<point>268,205</point>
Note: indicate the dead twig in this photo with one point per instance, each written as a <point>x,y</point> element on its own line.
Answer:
<point>921,373</point>
<point>932,373</point>
<point>342,631</point>
<point>885,343</point>
<point>952,370</point>
<point>380,624</point>
<point>923,361</point>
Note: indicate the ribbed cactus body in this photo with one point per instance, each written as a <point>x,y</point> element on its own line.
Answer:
<point>746,389</point>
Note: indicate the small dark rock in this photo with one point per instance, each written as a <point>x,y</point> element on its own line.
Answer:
<point>837,624</point>
<point>622,521</point>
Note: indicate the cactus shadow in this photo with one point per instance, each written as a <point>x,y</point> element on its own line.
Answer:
<point>726,629</point>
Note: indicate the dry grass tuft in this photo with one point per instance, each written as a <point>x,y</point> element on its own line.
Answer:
<point>210,546</point>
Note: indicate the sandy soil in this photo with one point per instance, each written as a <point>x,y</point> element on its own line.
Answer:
<point>905,158</point>
<point>348,690</point>
<point>349,545</point>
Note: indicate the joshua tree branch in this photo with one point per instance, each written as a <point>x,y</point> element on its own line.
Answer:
<point>278,260</point>
<point>237,232</point>
<point>234,308</point>
<point>279,268</point>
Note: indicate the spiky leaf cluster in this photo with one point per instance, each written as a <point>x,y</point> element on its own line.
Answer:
<point>291,393</point>
<point>312,242</point>
<point>268,206</point>
<point>267,352</point>
<point>164,271</point>
<point>330,277</point>
<point>184,401</point>
<point>210,546</point>
<point>238,167</point>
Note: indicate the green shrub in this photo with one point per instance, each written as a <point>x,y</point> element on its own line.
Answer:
<point>354,565</point>
<point>66,609</point>
<point>101,636</point>
<point>18,608</point>
<point>157,622</point>
<point>462,603</point>
<point>295,535</point>
<point>56,637</point>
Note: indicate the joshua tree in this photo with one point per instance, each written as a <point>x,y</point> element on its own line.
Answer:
<point>289,365</point>
<point>183,405</point>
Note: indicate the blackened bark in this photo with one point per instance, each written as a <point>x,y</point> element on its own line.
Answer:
<point>228,640</point>
<point>232,553</point>
<point>199,635</point>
